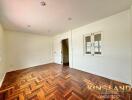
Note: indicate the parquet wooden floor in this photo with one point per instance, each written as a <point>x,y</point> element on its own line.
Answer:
<point>55,82</point>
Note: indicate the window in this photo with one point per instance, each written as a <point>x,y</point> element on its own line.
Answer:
<point>93,43</point>
<point>97,44</point>
<point>88,44</point>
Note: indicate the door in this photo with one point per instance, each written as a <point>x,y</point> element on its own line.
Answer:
<point>65,52</point>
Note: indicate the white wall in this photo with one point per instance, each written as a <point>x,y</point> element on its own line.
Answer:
<point>27,50</point>
<point>57,47</point>
<point>2,55</point>
<point>115,62</point>
<point>131,39</point>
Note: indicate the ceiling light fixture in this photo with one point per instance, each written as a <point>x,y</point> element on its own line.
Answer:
<point>69,18</point>
<point>28,25</point>
<point>49,31</point>
<point>43,3</point>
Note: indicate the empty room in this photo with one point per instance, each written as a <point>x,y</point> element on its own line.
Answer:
<point>65,49</point>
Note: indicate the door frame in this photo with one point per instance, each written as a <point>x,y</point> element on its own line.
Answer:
<point>62,51</point>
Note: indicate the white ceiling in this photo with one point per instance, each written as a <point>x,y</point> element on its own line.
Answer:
<point>19,15</point>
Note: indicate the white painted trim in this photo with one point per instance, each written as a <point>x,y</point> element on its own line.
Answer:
<point>1,81</point>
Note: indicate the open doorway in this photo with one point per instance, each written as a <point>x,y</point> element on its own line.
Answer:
<point>65,52</point>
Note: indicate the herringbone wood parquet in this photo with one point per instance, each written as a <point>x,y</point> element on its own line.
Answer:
<point>55,82</point>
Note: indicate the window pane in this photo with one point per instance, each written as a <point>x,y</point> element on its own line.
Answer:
<point>97,37</point>
<point>88,39</point>
<point>97,43</point>
<point>88,44</point>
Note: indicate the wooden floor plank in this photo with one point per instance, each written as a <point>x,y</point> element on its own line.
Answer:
<point>56,82</point>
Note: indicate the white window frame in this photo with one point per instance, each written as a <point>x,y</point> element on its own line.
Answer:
<point>92,43</point>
